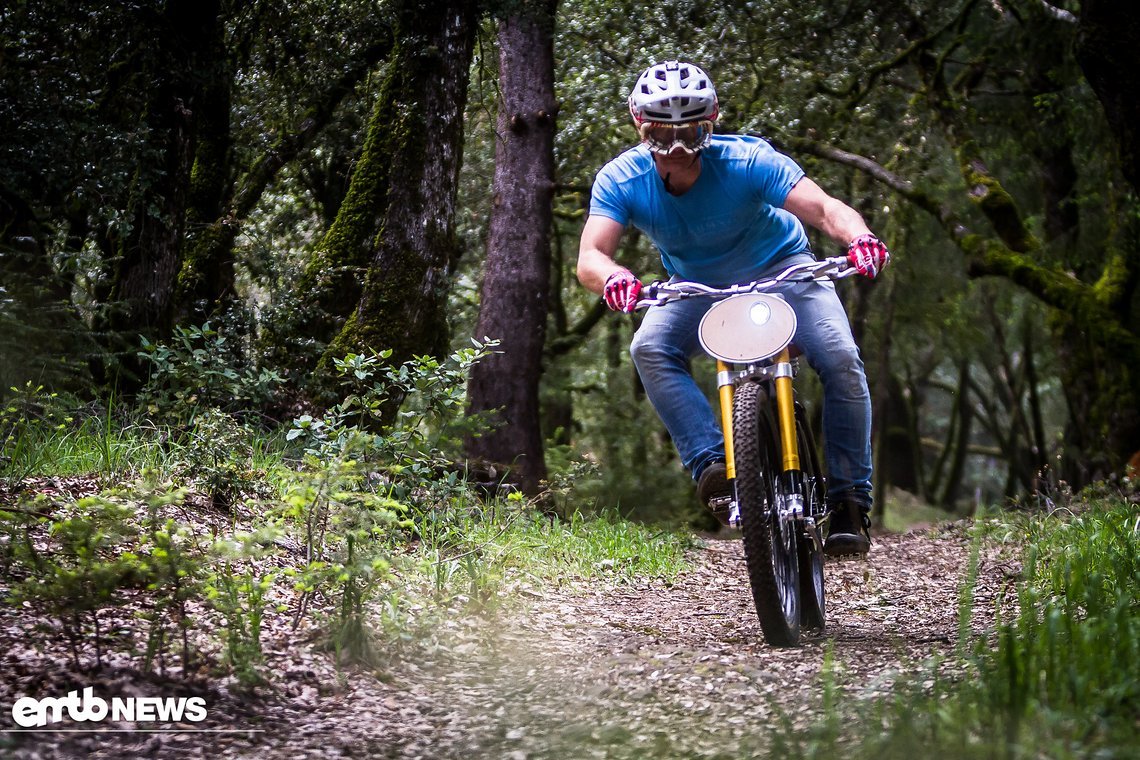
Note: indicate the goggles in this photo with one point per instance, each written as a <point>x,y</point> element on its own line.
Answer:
<point>663,138</point>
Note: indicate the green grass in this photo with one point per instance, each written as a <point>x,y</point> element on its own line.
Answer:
<point>1060,679</point>
<point>88,446</point>
<point>901,511</point>
<point>589,546</point>
<point>94,445</point>
<point>474,553</point>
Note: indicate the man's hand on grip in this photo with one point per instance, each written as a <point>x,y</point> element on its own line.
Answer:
<point>622,290</point>
<point>868,255</point>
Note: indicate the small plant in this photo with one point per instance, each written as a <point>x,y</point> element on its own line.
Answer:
<point>81,561</point>
<point>346,533</point>
<point>200,368</point>
<point>219,458</point>
<point>172,564</point>
<point>83,571</point>
<point>237,590</point>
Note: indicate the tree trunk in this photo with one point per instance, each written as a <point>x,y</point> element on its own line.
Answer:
<point>150,254</point>
<point>516,279</point>
<point>399,215</point>
<point>206,277</point>
<point>1107,40</point>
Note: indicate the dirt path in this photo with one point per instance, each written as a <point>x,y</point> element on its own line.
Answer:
<point>650,670</point>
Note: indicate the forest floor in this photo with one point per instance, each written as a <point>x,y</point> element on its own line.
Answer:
<point>592,669</point>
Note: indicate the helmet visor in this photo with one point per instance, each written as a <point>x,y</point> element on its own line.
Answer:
<point>663,138</point>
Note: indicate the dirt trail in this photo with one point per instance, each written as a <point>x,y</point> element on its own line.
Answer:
<point>648,670</point>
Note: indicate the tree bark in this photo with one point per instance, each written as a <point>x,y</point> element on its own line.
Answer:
<point>1108,38</point>
<point>149,255</point>
<point>516,279</point>
<point>398,218</point>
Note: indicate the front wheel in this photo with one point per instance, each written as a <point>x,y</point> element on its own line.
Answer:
<point>771,548</point>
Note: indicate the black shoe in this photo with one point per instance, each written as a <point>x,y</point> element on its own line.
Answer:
<point>848,529</point>
<point>714,490</point>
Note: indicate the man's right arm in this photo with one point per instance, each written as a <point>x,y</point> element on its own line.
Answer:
<point>596,250</point>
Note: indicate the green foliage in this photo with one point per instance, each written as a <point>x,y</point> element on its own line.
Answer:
<point>83,573</point>
<point>237,590</point>
<point>219,457</point>
<point>200,368</point>
<point>413,450</point>
<point>172,567</point>
<point>1073,651</point>
<point>346,530</point>
<point>82,561</point>
<point>364,478</point>
<point>1059,679</point>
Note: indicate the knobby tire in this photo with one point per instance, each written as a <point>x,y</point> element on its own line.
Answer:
<point>773,566</point>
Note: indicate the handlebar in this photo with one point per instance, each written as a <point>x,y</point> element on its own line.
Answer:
<point>834,268</point>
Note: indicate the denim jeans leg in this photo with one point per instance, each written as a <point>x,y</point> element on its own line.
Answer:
<point>824,334</point>
<point>661,350</point>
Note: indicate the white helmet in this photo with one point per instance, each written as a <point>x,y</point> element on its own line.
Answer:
<point>673,92</point>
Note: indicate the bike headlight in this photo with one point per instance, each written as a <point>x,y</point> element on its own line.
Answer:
<point>747,328</point>
<point>760,313</point>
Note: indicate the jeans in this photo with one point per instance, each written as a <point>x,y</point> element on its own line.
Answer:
<point>667,339</point>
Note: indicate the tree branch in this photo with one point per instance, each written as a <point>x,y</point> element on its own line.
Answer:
<point>904,187</point>
<point>577,334</point>
<point>989,257</point>
<point>287,147</point>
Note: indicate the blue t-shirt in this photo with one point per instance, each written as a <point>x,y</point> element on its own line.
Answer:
<point>727,228</point>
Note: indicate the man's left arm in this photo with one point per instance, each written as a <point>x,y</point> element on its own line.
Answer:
<point>841,223</point>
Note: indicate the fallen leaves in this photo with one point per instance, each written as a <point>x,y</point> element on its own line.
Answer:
<point>587,670</point>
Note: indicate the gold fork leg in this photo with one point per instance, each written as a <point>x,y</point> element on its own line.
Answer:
<point>785,407</point>
<point>724,380</point>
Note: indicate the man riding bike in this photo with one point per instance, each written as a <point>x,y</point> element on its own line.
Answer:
<point>722,210</point>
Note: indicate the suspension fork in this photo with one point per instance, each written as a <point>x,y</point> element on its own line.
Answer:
<point>785,409</point>
<point>724,383</point>
<point>792,477</point>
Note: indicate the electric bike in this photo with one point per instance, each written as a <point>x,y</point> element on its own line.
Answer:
<point>778,495</point>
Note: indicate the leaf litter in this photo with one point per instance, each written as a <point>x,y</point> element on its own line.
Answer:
<point>591,668</point>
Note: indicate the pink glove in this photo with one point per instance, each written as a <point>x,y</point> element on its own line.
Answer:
<point>868,255</point>
<point>622,290</point>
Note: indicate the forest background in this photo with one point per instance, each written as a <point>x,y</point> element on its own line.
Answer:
<point>293,358</point>
<point>272,187</point>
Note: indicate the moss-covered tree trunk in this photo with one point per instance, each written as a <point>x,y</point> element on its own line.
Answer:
<point>388,254</point>
<point>516,277</point>
<point>149,253</point>
<point>219,203</point>
<point>1107,40</point>
<point>206,274</point>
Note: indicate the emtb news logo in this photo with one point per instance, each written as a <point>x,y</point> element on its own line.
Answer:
<point>29,712</point>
